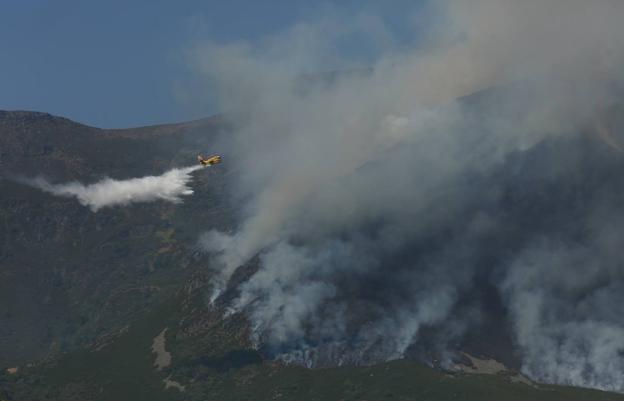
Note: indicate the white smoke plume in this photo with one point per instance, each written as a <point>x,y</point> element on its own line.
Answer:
<point>170,186</point>
<point>562,302</point>
<point>373,196</point>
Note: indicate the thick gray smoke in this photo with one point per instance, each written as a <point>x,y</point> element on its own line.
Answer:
<point>170,186</point>
<point>379,198</point>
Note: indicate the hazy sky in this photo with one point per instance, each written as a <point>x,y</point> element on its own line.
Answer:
<point>124,63</point>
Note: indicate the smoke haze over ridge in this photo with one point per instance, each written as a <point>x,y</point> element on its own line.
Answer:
<point>377,203</point>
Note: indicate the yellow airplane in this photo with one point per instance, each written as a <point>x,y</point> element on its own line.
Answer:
<point>209,161</point>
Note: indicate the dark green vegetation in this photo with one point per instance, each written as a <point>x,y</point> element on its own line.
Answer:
<point>83,295</point>
<point>123,369</point>
<point>69,275</point>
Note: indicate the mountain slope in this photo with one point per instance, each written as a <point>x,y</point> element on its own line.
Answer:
<point>84,296</point>
<point>70,275</point>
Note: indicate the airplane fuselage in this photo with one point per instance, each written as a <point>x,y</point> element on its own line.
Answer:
<point>209,161</point>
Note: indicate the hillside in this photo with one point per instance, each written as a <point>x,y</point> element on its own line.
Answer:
<point>89,301</point>
<point>69,275</point>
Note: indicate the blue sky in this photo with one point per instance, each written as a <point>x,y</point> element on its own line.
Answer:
<point>116,63</point>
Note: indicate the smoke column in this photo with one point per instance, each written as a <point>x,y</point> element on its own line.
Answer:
<point>170,186</point>
<point>384,201</point>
